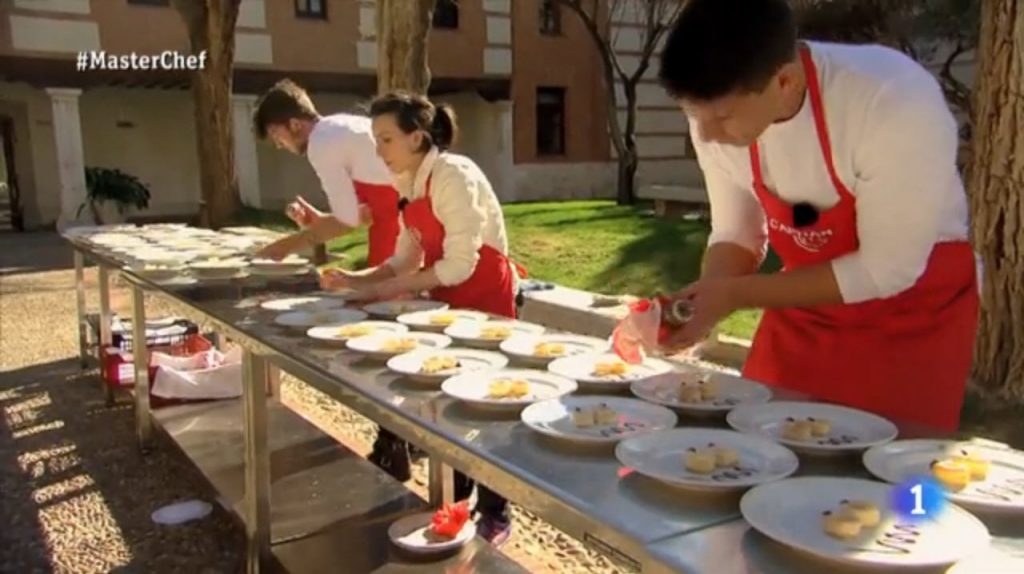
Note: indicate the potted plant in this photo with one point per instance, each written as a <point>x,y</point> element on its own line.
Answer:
<point>110,193</point>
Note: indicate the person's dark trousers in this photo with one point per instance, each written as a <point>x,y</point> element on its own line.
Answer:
<point>488,503</point>
<point>391,454</point>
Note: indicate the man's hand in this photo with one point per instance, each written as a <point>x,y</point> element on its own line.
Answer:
<point>284,247</point>
<point>302,213</point>
<point>712,300</point>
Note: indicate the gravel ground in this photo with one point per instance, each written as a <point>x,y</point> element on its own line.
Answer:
<point>77,495</point>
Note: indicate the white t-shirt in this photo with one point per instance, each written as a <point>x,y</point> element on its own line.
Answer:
<point>464,202</point>
<point>341,150</point>
<point>894,145</point>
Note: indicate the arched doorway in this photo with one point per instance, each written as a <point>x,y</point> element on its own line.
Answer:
<point>10,198</point>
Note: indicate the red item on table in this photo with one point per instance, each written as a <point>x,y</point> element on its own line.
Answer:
<point>650,323</point>
<point>448,521</point>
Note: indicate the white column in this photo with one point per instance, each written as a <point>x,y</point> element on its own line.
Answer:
<point>67,133</point>
<point>504,160</point>
<point>247,164</point>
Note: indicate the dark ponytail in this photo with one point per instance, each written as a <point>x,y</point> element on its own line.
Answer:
<point>415,112</point>
<point>444,129</point>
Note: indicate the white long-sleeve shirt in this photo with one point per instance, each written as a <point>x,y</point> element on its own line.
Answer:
<point>342,150</point>
<point>894,146</point>
<point>464,202</point>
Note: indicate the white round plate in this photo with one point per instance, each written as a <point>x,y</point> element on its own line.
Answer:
<point>490,334</point>
<point>852,430</point>
<point>790,511</point>
<point>524,347</point>
<point>662,455</point>
<point>305,319</point>
<point>469,360</point>
<point>731,391</point>
<point>1002,490</point>
<point>580,368</point>
<point>179,281</point>
<point>309,304</point>
<point>392,309</point>
<point>475,387</point>
<point>440,319</point>
<point>554,417</point>
<point>374,345</point>
<point>342,333</point>
<point>279,271</point>
<point>409,534</point>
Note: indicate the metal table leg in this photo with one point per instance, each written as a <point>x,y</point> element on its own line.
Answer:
<point>83,347</point>
<point>257,462</point>
<point>105,317</point>
<point>440,482</point>
<point>143,418</point>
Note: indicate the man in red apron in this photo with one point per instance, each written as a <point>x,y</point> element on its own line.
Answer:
<point>359,190</point>
<point>843,159</point>
<point>341,149</point>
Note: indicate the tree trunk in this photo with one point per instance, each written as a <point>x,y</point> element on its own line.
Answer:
<point>629,156</point>
<point>996,182</point>
<point>403,27</point>
<point>211,28</point>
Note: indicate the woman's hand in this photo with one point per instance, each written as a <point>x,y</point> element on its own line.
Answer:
<point>380,291</point>
<point>336,279</point>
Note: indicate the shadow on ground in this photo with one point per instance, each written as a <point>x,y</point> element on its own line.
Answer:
<point>78,494</point>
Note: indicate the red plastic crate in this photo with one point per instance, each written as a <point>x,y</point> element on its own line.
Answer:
<point>118,367</point>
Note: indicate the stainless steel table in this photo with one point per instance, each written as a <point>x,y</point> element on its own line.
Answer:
<point>637,522</point>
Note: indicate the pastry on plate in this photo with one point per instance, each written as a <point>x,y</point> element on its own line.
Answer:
<point>549,350</point>
<point>605,415</point>
<point>583,418</point>
<point>399,345</point>
<point>952,474</point>
<point>724,456</point>
<point>499,389</point>
<point>708,389</point>
<point>690,393</point>
<point>495,333</point>
<point>841,525</point>
<point>796,430</point>
<point>442,319</point>
<point>438,364</point>
<point>700,461</point>
<point>866,512</point>
<point>976,465</point>
<point>508,389</point>
<point>820,427</point>
<point>355,330</point>
<point>610,369</point>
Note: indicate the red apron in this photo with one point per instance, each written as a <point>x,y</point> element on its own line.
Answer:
<point>491,287</point>
<point>906,357</point>
<point>382,200</point>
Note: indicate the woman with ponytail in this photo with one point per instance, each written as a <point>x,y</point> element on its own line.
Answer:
<point>452,242</point>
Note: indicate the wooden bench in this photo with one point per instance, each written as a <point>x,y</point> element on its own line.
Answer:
<point>674,200</point>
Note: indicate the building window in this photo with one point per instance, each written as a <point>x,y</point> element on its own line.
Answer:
<point>151,2</point>
<point>550,121</point>
<point>316,9</point>
<point>446,14</point>
<point>550,18</point>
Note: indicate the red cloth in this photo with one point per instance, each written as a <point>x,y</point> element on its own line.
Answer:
<point>491,287</point>
<point>382,200</point>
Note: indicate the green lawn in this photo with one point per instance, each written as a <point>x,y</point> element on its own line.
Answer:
<point>591,245</point>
